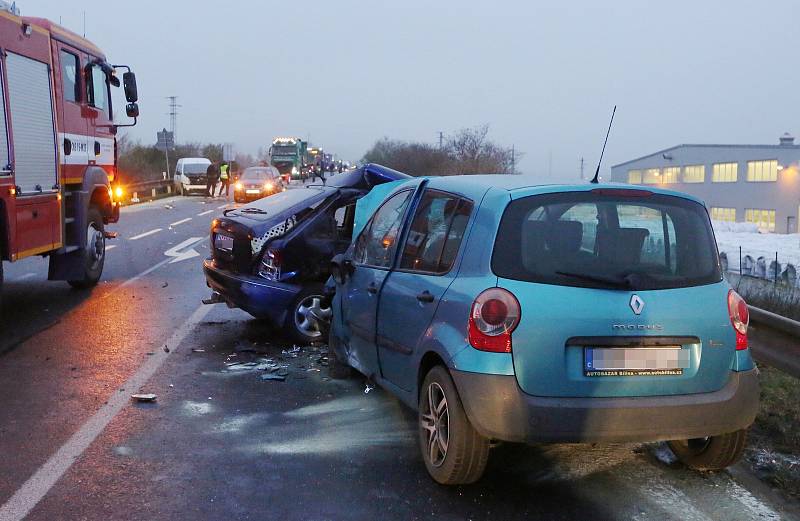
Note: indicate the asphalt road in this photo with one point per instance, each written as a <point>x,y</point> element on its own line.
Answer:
<point>221,443</point>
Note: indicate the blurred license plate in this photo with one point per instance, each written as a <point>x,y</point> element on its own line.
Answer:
<point>637,361</point>
<point>223,242</point>
<point>252,191</point>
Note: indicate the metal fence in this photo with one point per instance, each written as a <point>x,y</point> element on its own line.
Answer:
<point>746,264</point>
<point>135,192</point>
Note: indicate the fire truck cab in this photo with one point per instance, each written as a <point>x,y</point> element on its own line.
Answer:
<point>57,147</point>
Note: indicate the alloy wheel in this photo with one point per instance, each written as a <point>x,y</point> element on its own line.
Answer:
<point>435,423</point>
<point>311,317</point>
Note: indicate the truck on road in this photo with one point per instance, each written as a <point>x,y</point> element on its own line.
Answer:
<point>287,154</point>
<point>58,149</point>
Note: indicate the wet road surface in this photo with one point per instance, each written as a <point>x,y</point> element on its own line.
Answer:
<point>221,443</point>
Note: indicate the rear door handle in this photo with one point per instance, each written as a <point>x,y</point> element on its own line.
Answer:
<point>425,297</point>
<point>372,289</point>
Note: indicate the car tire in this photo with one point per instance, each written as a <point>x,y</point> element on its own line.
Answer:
<point>302,320</point>
<point>338,369</point>
<point>712,453</point>
<point>94,254</point>
<point>461,458</point>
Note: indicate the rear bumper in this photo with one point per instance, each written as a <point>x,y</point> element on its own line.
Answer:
<point>499,409</point>
<point>261,298</point>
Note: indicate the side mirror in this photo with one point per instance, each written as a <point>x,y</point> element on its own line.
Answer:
<point>129,83</point>
<point>132,110</point>
<point>341,268</point>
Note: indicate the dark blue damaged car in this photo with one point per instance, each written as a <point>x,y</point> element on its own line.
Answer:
<point>272,257</point>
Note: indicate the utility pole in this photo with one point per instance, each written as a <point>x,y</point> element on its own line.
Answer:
<point>441,140</point>
<point>173,116</point>
<point>513,160</point>
<point>582,178</point>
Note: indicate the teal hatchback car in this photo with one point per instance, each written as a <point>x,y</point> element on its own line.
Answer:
<point>502,311</point>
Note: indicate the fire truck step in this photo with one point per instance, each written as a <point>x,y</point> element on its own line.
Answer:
<point>69,220</point>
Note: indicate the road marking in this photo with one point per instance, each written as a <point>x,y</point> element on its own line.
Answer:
<point>176,223</point>
<point>38,485</point>
<point>223,206</point>
<point>145,234</point>
<point>178,255</point>
<point>111,247</point>
<point>205,213</point>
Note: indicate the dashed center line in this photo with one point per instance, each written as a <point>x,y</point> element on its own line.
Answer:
<point>221,207</point>
<point>176,223</point>
<point>205,213</point>
<point>111,247</point>
<point>145,234</point>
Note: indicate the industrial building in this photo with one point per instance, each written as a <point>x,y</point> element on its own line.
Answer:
<point>739,183</point>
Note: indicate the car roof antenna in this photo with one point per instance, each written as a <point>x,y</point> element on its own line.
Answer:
<point>596,178</point>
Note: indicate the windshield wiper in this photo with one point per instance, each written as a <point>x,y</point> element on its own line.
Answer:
<point>618,283</point>
<point>250,209</point>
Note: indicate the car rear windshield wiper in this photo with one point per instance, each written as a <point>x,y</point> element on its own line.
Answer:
<point>618,283</point>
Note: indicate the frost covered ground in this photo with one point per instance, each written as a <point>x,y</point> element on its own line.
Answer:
<point>730,236</point>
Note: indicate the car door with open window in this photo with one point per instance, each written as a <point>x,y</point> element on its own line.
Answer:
<point>413,290</point>
<point>372,257</point>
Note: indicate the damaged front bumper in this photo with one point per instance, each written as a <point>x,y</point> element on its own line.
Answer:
<point>261,298</point>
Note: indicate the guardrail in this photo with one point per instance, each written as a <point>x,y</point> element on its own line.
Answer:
<point>776,340</point>
<point>147,190</point>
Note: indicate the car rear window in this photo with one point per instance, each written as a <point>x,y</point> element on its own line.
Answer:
<point>607,239</point>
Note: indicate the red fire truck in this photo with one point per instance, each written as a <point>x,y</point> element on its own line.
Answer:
<point>57,147</point>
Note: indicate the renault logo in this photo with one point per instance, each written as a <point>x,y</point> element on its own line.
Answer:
<point>637,304</point>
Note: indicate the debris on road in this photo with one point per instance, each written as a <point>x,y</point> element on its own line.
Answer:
<point>166,284</point>
<point>144,397</point>
<point>169,207</point>
<point>368,388</point>
<point>198,350</point>
<point>166,349</point>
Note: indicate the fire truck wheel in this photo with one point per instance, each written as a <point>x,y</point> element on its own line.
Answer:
<point>95,252</point>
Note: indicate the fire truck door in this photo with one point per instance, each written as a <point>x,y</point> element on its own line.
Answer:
<point>34,159</point>
<point>73,130</point>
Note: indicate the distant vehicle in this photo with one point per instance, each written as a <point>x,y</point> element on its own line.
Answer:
<point>287,154</point>
<point>59,183</point>
<point>313,162</point>
<point>585,313</point>
<point>190,175</point>
<point>257,182</point>
<point>272,257</point>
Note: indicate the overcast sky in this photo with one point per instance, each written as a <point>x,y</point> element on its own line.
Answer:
<point>543,75</point>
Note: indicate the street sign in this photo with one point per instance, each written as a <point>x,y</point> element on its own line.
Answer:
<point>227,152</point>
<point>166,140</point>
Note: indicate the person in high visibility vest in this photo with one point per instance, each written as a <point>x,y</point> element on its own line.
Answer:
<point>224,179</point>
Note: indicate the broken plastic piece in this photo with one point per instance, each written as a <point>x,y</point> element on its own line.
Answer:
<point>368,388</point>
<point>144,397</point>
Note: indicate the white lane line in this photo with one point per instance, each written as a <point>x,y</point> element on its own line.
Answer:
<point>176,223</point>
<point>145,234</point>
<point>37,486</point>
<point>26,276</point>
<point>221,207</point>
<point>205,213</point>
<point>111,247</point>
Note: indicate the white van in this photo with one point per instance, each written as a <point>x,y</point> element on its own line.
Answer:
<point>190,175</point>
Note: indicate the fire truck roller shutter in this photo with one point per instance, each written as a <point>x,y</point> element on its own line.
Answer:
<point>32,123</point>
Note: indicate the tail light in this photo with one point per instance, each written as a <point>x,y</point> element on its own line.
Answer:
<point>270,267</point>
<point>493,317</point>
<point>740,318</point>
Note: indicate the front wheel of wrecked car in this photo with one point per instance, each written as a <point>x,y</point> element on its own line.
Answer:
<point>309,319</point>
<point>711,453</point>
<point>453,451</point>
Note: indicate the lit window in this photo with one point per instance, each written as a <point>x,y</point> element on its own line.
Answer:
<point>762,171</point>
<point>723,214</point>
<point>670,175</point>
<point>694,174</point>
<point>765,219</point>
<point>635,177</point>
<point>725,173</point>
<point>651,176</point>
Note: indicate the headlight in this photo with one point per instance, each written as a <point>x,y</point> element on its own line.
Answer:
<point>294,169</point>
<point>268,185</point>
<point>237,186</point>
